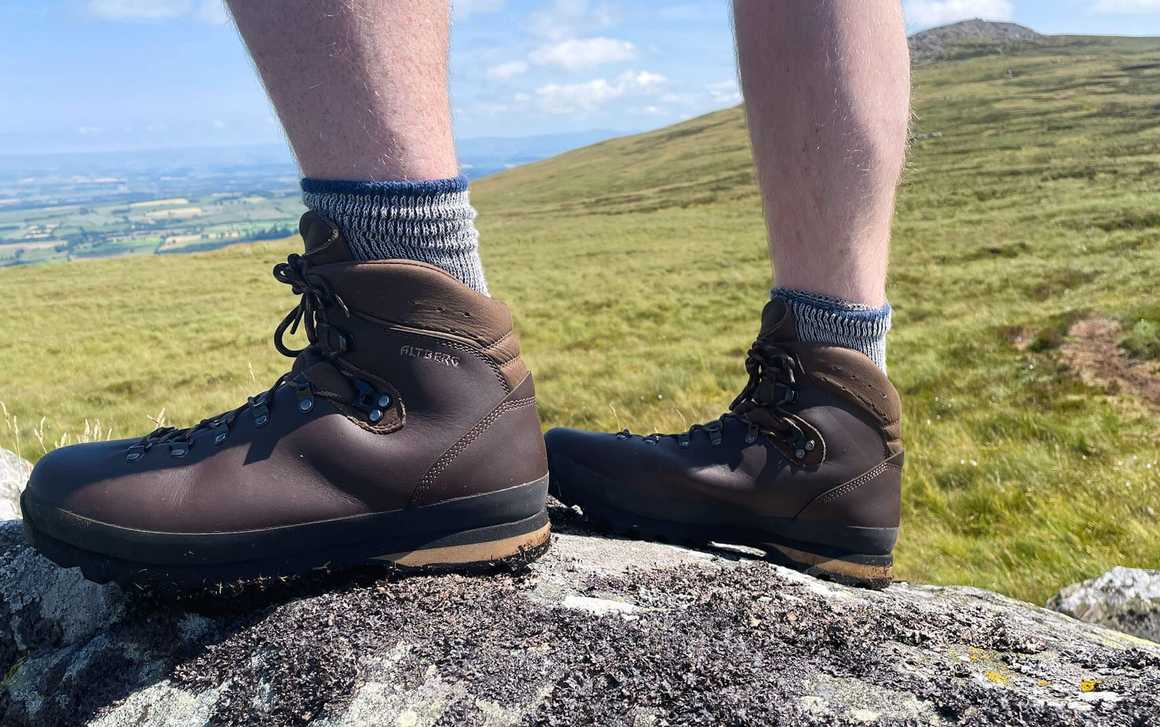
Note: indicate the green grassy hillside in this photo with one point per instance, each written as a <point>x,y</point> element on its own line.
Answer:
<point>637,270</point>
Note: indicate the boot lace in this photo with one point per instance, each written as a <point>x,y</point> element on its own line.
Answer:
<point>763,405</point>
<point>315,296</point>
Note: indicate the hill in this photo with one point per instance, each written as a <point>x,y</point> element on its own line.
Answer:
<point>968,37</point>
<point>637,269</point>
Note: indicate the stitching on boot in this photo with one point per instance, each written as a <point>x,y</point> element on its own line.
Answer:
<point>458,345</point>
<point>821,376</point>
<point>851,485</point>
<point>430,328</point>
<point>456,449</point>
<point>488,349</point>
<point>487,360</point>
<point>847,487</point>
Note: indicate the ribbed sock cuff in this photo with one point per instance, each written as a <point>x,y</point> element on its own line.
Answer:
<point>837,322</point>
<point>429,221</point>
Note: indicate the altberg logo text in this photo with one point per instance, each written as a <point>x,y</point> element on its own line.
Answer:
<point>427,354</point>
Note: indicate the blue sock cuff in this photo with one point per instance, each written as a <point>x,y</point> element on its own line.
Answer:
<point>836,322</point>
<point>848,309</point>
<point>394,188</point>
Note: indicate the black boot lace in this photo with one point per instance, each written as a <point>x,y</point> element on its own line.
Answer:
<point>316,295</point>
<point>763,405</point>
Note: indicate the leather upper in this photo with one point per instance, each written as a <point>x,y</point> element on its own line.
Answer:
<point>461,418</point>
<point>726,472</point>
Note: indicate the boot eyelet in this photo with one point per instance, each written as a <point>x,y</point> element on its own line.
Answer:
<point>375,415</point>
<point>134,456</point>
<point>384,401</point>
<point>221,437</point>
<point>810,445</point>
<point>178,451</point>
<point>306,405</point>
<point>261,420</point>
<point>799,453</point>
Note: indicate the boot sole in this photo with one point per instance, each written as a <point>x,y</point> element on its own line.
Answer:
<point>785,541</point>
<point>428,539</point>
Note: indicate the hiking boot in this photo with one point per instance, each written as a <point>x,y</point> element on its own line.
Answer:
<point>806,465</point>
<point>405,433</point>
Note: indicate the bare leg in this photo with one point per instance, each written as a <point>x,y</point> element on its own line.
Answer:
<point>827,87</point>
<point>360,85</point>
<point>361,89</point>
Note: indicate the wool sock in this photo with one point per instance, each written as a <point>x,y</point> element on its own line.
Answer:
<point>837,322</point>
<point>429,221</point>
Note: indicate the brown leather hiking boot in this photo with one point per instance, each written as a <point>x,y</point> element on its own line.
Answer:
<point>807,464</point>
<point>406,432</point>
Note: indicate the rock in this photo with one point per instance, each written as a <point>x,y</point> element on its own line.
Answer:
<point>1125,599</point>
<point>598,631</point>
<point>14,471</point>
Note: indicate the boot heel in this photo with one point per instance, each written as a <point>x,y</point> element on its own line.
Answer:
<point>866,571</point>
<point>522,541</point>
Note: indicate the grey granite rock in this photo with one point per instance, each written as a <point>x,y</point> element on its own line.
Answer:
<point>14,471</point>
<point>598,631</point>
<point>1125,599</point>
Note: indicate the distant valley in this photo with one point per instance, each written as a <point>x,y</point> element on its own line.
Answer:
<point>105,204</point>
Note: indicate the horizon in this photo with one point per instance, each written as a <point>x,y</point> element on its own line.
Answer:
<point>519,68</point>
<point>278,144</point>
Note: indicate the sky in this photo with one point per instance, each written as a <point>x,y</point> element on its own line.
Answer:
<point>78,75</point>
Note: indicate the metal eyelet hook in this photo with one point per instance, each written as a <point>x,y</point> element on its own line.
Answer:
<point>371,401</point>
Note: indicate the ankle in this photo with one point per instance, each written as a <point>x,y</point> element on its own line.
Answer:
<point>429,221</point>
<point>837,322</point>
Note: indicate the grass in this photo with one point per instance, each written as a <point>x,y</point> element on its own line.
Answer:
<point>637,270</point>
<point>1143,338</point>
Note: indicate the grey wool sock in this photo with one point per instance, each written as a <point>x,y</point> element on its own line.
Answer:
<point>429,221</point>
<point>837,322</point>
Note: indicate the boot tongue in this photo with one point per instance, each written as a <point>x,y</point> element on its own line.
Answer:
<point>323,242</point>
<point>305,360</point>
<point>777,322</point>
<point>322,373</point>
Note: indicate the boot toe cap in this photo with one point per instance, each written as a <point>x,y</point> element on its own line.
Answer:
<point>75,479</point>
<point>575,457</point>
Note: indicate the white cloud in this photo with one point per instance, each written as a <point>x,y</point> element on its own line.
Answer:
<point>724,92</point>
<point>507,70</point>
<point>206,11</point>
<point>645,81</point>
<point>466,8</point>
<point>1125,7</point>
<point>928,13</point>
<point>139,9</point>
<point>494,108</point>
<point>566,98</point>
<point>212,12</point>
<point>577,53</point>
<point>569,18</point>
<point>692,12</point>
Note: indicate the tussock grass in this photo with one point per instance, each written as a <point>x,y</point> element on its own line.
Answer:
<point>637,271</point>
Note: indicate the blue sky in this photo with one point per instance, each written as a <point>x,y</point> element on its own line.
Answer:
<point>116,74</point>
